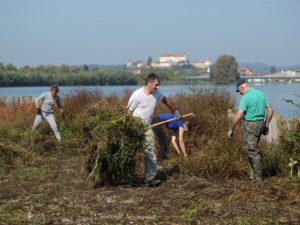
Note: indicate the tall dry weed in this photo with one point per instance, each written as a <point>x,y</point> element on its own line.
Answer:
<point>211,153</point>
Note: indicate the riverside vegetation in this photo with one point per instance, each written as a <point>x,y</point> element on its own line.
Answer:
<point>65,75</point>
<point>42,182</point>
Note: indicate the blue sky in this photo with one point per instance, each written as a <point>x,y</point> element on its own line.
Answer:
<point>76,32</point>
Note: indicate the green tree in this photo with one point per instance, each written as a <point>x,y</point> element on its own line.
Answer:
<point>224,71</point>
<point>85,67</point>
<point>95,69</point>
<point>26,69</point>
<point>41,68</point>
<point>51,69</point>
<point>75,69</point>
<point>64,69</point>
<point>2,68</point>
<point>149,61</point>
<point>273,69</point>
<point>11,67</point>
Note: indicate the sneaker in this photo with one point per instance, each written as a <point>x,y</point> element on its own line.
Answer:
<point>153,183</point>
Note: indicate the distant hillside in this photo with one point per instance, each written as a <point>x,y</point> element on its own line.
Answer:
<point>264,68</point>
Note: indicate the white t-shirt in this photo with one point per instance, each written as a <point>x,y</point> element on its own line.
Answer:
<point>143,105</point>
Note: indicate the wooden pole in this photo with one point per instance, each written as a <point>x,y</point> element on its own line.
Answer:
<point>167,121</point>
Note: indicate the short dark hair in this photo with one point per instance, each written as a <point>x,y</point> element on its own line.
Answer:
<point>240,82</point>
<point>54,87</point>
<point>152,77</point>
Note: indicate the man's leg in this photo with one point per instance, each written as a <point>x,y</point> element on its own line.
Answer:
<point>250,167</point>
<point>150,158</point>
<point>51,120</point>
<point>162,140</point>
<point>257,167</point>
<point>252,133</point>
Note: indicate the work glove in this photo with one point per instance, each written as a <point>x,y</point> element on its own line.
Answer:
<point>39,111</point>
<point>230,133</point>
<point>265,130</point>
<point>63,115</point>
<point>177,114</point>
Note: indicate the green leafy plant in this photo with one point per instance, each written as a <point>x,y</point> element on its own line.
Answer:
<point>295,167</point>
<point>284,158</point>
<point>113,138</point>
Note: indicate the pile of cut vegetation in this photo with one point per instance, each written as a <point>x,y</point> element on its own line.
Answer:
<point>9,153</point>
<point>112,138</point>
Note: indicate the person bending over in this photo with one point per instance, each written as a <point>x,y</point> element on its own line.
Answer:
<point>178,127</point>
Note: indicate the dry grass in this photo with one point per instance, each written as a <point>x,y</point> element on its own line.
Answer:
<point>45,183</point>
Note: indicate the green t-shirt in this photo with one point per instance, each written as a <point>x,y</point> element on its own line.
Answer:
<point>254,104</point>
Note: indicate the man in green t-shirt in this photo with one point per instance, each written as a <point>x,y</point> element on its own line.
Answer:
<point>256,113</point>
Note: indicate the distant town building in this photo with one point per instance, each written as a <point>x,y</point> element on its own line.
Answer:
<point>173,59</point>
<point>245,71</point>
<point>157,64</point>
<point>285,73</point>
<point>288,76</point>
<point>202,64</point>
<point>142,64</point>
<point>166,61</point>
<point>136,72</point>
<point>129,64</point>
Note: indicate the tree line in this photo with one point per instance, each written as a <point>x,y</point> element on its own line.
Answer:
<point>65,75</point>
<point>62,75</point>
<point>224,71</point>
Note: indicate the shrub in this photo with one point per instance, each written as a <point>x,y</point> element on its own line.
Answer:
<point>8,154</point>
<point>277,160</point>
<point>113,138</point>
<point>110,132</point>
<point>211,153</point>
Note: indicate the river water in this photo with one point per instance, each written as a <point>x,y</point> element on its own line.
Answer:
<point>275,92</point>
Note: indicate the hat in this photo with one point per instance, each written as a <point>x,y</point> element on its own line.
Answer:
<point>240,82</point>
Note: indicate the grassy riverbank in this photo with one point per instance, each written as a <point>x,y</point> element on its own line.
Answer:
<point>42,182</point>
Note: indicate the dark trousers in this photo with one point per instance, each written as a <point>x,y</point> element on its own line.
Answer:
<point>162,141</point>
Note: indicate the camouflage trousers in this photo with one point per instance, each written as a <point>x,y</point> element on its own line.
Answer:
<point>252,134</point>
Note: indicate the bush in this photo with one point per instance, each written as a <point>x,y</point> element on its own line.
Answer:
<point>110,132</point>
<point>8,154</point>
<point>277,160</point>
<point>113,138</point>
<point>211,153</point>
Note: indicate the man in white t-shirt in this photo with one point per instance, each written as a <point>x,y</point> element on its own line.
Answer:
<point>142,104</point>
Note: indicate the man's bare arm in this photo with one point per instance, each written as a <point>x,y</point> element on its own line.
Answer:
<point>170,104</point>
<point>269,114</point>
<point>237,118</point>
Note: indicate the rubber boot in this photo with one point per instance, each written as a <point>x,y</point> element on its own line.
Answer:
<point>257,169</point>
<point>250,167</point>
